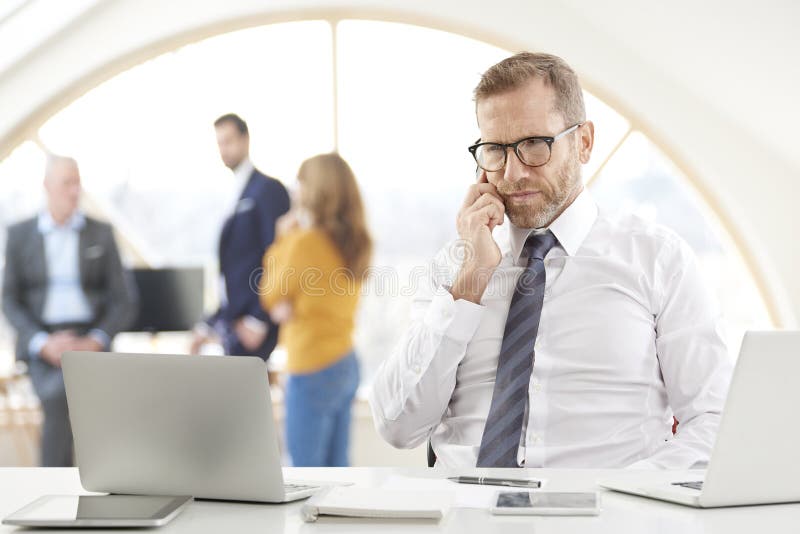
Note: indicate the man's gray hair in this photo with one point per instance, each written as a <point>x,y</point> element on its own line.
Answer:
<point>517,70</point>
<point>56,159</point>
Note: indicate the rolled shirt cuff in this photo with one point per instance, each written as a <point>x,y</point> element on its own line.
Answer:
<point>203,329</point>
<point>457,319</point>
<point>36,343</point>
<point>101,337</point>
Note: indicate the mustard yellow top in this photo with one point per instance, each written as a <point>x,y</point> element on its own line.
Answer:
<point>305,268</point>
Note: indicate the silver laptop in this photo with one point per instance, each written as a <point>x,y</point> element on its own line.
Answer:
<point>156,424</point>
<point>754,460</point>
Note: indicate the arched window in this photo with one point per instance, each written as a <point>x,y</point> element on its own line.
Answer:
<point>394,99</point>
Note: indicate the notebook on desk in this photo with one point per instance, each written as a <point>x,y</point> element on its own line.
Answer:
<point>375,503</point>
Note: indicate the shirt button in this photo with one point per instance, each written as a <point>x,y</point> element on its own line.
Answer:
<point>417,369</point>
<point>535,438</point>
<point>537,387</point>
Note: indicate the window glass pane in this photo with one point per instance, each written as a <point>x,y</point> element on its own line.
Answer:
<point>610,127</point>
<point>145,139</point>
<point>21,189</point>
<point>406,117</point>
<point>640,179</point>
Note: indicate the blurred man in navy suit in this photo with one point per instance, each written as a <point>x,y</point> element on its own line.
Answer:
<point>240,323</point>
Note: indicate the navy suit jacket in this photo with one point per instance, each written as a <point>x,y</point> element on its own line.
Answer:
<point>245,237</point>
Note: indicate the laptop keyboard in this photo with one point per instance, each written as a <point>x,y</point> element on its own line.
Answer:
<point>691,485</point>
<point>291,488</point>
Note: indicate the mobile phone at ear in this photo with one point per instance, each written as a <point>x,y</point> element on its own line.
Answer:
<point>545,503</point>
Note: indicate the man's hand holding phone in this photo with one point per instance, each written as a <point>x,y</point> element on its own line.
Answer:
<point>483,209</point>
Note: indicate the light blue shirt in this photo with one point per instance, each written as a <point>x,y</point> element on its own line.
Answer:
<point>65,301</point>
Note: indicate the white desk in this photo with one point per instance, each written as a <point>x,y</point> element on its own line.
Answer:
<point>621,513</point>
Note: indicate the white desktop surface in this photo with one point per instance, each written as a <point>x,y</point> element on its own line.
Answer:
<point>621,513</point>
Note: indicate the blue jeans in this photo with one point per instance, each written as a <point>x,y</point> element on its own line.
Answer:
<point>318,414</point>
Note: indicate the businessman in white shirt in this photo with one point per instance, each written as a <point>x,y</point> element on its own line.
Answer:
<point>572,338</point>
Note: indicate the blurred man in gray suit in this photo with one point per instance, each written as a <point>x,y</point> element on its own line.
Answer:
<point>64,289</point>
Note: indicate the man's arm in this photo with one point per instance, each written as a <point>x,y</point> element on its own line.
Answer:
<point>413,386</point>
<point>694,360</point>
<point>17,314</point>
<point>121,295</point>
<point>273,202</point>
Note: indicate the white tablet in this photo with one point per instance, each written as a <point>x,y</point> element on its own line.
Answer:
<point>98,511</point>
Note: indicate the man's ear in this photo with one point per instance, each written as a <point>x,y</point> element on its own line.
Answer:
<point>585,141</point>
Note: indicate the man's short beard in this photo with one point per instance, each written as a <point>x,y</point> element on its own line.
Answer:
<point>554,202</point>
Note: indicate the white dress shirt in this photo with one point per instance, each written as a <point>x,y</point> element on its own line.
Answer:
<point>65,301</point>
<point>629,336</point>
<point>241,176</point>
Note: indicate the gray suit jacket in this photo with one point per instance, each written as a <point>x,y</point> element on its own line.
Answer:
<point>107,286</point>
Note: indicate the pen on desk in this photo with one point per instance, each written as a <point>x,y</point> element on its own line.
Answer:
<point>488,481</point>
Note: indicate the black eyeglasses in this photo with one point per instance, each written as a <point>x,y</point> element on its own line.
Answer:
<point>532,151</point>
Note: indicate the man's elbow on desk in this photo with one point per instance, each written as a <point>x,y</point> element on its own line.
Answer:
<point>396,432</point>
<point>399,438</point>
<point>391,435</point>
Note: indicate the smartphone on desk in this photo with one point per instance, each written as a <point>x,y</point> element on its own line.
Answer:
<point>546,503</point>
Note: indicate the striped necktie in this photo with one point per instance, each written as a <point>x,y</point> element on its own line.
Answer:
<point>501,435</point>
